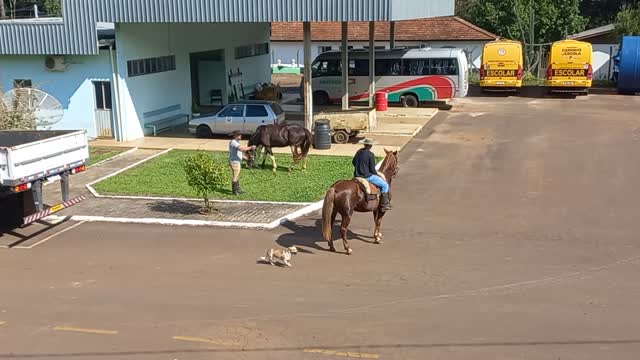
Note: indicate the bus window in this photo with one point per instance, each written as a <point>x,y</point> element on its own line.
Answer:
<point>389,67</point>
<point>358,67</point>
<point>416,67</point>
<point>326,68</point>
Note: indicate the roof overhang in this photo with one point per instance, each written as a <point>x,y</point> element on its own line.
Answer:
<point>77,33</point>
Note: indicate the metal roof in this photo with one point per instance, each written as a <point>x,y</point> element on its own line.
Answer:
<point>77,33</point>
<point>602,30</point>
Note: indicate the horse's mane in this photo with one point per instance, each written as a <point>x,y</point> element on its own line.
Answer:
<point>389,165</point>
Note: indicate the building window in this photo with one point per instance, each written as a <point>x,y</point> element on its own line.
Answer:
<point>148,66</point>
<point>22,83</point>
<point>349,47</point>
<point>103,95</point>
<point>252,50</point>
<point>324,49</point>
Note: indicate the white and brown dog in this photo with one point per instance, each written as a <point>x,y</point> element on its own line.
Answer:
<point>283,255</point>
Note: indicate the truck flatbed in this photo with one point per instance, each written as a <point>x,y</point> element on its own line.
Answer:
<point>16,138</point>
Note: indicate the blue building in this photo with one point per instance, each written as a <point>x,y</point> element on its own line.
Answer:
<point>117,67</point>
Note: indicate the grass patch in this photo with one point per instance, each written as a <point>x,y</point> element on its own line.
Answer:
<point>98,154</point>
<point>164,176</point>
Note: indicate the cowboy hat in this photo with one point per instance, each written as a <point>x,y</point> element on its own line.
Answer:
<point>367,141</point>
<point>235,133</point>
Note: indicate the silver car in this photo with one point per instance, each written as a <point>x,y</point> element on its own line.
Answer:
<point>244,116</point>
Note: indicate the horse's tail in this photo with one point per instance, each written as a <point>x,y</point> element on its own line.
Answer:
<point>327,215</point>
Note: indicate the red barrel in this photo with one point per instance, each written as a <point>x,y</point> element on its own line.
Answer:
<point>382,101</point>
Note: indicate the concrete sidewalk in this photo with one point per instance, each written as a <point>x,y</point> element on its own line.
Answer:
<point>395,129</point>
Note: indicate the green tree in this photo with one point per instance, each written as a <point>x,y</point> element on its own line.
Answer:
<point>628,21</point>
<point>13,116</point>
<point>603,12</point>
<point>23,8</point>
<point>539,21</point>
<point>205,176</point>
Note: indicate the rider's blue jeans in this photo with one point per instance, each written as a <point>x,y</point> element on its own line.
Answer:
<point>379,182</point>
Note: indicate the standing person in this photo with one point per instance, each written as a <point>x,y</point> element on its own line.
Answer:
<point>365,167</point>
<point>236,151</point>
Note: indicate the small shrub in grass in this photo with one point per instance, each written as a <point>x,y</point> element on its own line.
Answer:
<point>205,176</point>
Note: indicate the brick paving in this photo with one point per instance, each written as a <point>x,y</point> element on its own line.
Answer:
<point>181,210</point>
<point>156,209</point>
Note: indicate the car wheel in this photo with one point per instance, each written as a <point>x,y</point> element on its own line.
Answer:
<point>204,131</point>
<point>340,137</point>
<point>320,98</point>
<point>410,101</point>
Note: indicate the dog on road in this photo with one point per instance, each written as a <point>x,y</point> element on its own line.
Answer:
<point>284,255</point>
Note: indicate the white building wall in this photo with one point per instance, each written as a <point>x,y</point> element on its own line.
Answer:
<point>143,94</point>
<point>72,87</point>
<point>602,63</point>
<point>286,51</point>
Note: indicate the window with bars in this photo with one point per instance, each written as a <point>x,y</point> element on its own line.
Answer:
<point>148,66</point>
<point>252,50</point>
<point>103,95</point>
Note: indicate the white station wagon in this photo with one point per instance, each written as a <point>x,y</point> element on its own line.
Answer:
<point>244,116</point>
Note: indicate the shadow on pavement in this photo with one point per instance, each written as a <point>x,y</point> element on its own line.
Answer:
<point>303,236</point>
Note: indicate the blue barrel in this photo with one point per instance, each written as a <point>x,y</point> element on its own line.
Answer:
<point>629,76</point>
<point>322,135</point>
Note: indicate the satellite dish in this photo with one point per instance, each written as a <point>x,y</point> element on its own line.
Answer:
<point>46,108</point>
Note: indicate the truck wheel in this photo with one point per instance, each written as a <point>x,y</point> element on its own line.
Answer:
<point>340,137</point>
<point>410,101</point>
<point>204,131</point>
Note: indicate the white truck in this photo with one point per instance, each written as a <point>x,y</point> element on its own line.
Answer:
<point>30,158</point>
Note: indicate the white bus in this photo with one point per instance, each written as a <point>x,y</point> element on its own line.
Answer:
<point>408,76</point>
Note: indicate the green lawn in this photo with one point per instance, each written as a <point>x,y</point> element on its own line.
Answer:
<point>163,176</point>
<point>97,154</point>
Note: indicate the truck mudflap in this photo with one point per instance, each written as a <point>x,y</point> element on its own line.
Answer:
<point>52,210</point>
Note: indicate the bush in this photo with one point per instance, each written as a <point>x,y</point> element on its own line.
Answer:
<point>14,116</point>
<point>205,176</point>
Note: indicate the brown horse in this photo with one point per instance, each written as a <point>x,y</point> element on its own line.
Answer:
<point>347,196</point>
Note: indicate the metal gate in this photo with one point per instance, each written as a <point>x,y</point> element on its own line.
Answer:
<point>104,121</point>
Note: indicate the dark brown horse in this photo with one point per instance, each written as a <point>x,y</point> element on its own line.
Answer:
<point>347,196</point>
<point>280,135</point>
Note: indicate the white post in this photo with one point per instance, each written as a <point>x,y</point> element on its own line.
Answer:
<point>392,35</point>
<point>35,11</point>
<point>372,63</point>
<point>308,90</point>
<point>345,65</point>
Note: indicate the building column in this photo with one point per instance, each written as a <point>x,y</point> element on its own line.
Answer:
<point>392,35</point>
<point>308,90</point>
<point>372,63</point>
<point>345,65</point>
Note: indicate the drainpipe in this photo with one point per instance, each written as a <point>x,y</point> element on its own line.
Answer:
<point>114,70</point>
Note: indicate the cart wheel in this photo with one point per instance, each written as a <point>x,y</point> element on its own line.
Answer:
<point>340,137</point>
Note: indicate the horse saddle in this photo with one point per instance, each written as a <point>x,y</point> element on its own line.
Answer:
<point>371,190</point>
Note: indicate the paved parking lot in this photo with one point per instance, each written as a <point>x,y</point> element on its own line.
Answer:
<point>514,237</point>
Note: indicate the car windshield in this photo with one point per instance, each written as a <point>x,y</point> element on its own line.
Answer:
<point>276,109</point>
<point>233,110</point>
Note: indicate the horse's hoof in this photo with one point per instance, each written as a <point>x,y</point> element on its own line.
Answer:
<point>349,252</point>
<point>332,249</point>
<point>379,242</point>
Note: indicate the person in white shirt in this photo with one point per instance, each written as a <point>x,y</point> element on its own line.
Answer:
<point>236,151</point>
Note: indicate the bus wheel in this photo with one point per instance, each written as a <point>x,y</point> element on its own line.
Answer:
<point>340,137</point>
<point>410,101</point>
<point>320,98</point>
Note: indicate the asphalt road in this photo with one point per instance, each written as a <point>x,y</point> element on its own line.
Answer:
<point>514,237</point>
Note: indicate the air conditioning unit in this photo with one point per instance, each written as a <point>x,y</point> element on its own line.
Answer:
<point>55,63</point>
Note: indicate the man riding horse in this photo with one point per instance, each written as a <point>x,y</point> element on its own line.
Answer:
<point>365,167</point>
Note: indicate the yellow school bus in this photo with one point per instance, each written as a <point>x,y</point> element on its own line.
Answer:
<point>502,66</point>
<point>570,67</point>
